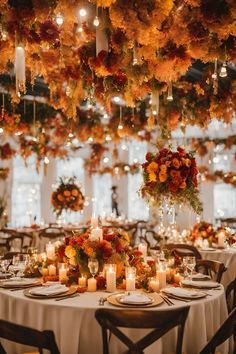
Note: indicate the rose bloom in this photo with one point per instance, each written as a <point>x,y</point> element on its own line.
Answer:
<point>74,192</point>
<point>162,177</point>
<point>60,197</point>
<point>67,193</point>
<point>175,173</point>
<point>176,163</point>
<point>183,185</point>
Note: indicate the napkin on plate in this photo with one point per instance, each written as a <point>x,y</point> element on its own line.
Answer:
<point>18,281</point>
<point>49,290</point>
<point>200,276</point>
<point>200,284</point>
<point>135,298</point>
<point>180,292</point>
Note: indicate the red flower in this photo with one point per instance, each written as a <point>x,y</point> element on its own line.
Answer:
<point>106,248</point>
<point>118,37</point>
<point>109,237</point>
<point>49,31</point>
<point>101,282</point>
<point>148,157</point>
<point>120,78</point>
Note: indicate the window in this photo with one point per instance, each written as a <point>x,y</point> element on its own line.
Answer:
<point>137,207</point>
<point>102,194</point>
<point>224,201</point>
<point>26,192</point>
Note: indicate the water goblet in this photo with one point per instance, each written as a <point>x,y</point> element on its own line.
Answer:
<point>191,261</point>
<point>93,266</point>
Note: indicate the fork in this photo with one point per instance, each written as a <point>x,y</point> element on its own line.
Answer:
<point>102,300</point>
<point>167,301</point>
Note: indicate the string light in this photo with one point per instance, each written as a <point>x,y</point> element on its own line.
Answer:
<point>1,130</point>
<point>106,159</point>
<point>71,135</point>
<point>46,160</point>
<point>223,70</point>
<point>4,35</point>
<point>135,59</point>
<point>96,21</point>
<point>59,19</point>
<point>169,92</point>
<point>82,12</point>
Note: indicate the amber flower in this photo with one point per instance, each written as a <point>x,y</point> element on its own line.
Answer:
<point>49,31</point>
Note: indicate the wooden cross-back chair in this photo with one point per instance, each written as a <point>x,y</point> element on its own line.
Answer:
<point>28,336</point>
<point>212,268</point>
<point>183,250</point>
<point>52,233</point>
<point>160,322</point>
<point>227,329</point>
<point>231,295</point>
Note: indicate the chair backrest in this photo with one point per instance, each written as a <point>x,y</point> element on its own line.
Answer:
<point>227,329</point>
<point>182,250</point>
<point>231,295</point>
<point>52,233</point>
<point>28,336</point>
<point>15,242</point>
<point>214,269</point>
<point>160,322</point>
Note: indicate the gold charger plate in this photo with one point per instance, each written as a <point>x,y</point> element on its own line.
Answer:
<point>27,293</point>
<point>19,285</point>
<point>156,300</point>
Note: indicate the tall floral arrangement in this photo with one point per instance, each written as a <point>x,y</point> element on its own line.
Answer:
<point>67,196</point>
<point>173,176</point>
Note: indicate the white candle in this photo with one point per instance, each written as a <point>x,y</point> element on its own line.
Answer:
<point>221,239</point>
<point>143,249</point>
<point>177,278</point>
<point>161,276</point>
<point>50,250</point>
<point>154,284</point>
<point>63,273</point>
<point>96,234</point>
<point>52,270</point>
<point>130,283</point>
<point>94,222</point>
<point>92,284</point>
<point>111,278</point>
<point>82,281</point>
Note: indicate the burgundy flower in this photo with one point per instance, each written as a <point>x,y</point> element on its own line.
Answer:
<point>148,157</point>
<point>118,37</point>
<point>120,78</point>
<point>33,37</point>
<point>49,31</point>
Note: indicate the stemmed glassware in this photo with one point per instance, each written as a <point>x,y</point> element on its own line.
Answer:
<point>189,263</point>
<point>93,266</point>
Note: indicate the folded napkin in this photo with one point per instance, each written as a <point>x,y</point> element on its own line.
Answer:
<point>49,290</point>
<point>18,281</point>
<point>136,298</point>
<point>200,284</point>
<point>180,292</point>
<point>200,276</point>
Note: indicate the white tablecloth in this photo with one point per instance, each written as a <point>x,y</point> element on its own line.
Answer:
<point>226,256</point>
<point>77,331</point>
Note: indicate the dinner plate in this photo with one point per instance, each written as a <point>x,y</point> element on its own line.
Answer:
<point>208,249</point>
<point>19,283</point>
<point>135,299</point>
<point>203,284</point>
<point>27,292</point>
<point>115,300</point>
<point>5,275</point>
<point>184,293</point>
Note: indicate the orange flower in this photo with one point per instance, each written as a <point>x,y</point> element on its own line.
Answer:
<point>174,173</point>
<point>152,177</point>
<point>74,192</point>
<point>163,168</point>
<point>162,177</point>
<point>176,163</point>
<point>183,185</point>
<point>187,162</point>
<point>67,193</point>
<point>152,167</point>
<point>60,197</point>
<point>168,163</point>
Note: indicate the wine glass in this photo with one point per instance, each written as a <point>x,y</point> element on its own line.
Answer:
<point>93,266</point>
<point>185,265</point>
<point>191,263</point>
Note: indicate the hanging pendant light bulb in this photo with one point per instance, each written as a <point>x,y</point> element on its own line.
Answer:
<point>59,19</point>
<point>223,70</point>
<point>215,79</point>
<point>135,59</point>
<point>20,69</point>
<point>214,75</point>
<point>169,92</point>
<point>96,21</point>
<point>82,12</point>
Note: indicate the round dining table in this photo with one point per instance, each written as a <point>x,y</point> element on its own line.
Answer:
<point>77,331</point>
<point>226,256</point>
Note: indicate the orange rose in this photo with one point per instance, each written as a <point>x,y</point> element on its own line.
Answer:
<point>67,193</point>
<point>176,163</point>
<point>60,197</point>
<point>163,168</point>
<point>187,162</point>
<point>168,163</point>
<point>162,177</point>
<point>183,185</point>
<point>152,167</point>
<point>74,192</point>
<point>175,173</point>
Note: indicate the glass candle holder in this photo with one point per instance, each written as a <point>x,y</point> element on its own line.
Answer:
<point>111,277</point>
<point>153,284</point>
<point>130,275</point>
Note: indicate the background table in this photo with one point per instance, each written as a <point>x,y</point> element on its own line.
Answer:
<point>226,256</point>
<point>77,331</point>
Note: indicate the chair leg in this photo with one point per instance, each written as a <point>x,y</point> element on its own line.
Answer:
<point>2,351</point>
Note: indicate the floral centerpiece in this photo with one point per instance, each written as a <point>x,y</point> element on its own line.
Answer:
<point>171,175</point>
<point>67,196</point>
<point>112,248</point>
<point>203,231</point>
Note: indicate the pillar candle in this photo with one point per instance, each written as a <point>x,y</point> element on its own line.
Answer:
<point>154,284</point>
<point>44,272</point>
<point>177,278</point>
<point>92,284</point>
<point>161,276</point>
<point>111,278</point>
<point>221,239</point>
<point>96,234</point>
<point>130,283</point>
<point>82,281</point>
<point>50,250</point>
<point>94,222</point>
<point>143,249</point>
<point>52,270</point>
<point>63,273</point>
